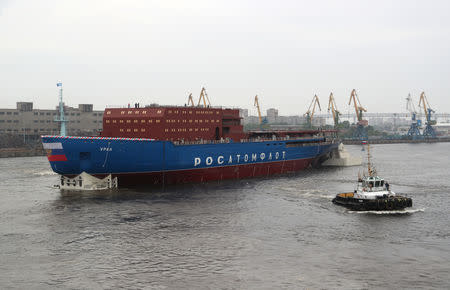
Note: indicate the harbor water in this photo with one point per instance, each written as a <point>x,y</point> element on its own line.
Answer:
<point>272,233</point>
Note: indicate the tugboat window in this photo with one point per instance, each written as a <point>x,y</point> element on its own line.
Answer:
<point>370,183</point>
<point>377,183</point>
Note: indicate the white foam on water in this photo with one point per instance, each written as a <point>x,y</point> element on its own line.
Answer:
<point>389,212</point>
<point>44,173</point>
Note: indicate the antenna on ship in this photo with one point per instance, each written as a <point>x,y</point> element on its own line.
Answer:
<point>61,119</point>
<point>370,170</point>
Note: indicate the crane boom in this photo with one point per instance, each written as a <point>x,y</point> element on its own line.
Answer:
<point>259,110</point>
<point>204,97</point>
<point>332,106</point>
<point>191,100</point>
<point>410,105</point>
<point>426,105</point>
<point>358,108</point>
<point>314,102</point>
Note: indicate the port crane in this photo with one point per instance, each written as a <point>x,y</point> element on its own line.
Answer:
<point>361,132</point>
<point>190,100</point>
<point>310,113</point>
<point>413,132</point>
<point>261,119</point>
<point>204,97</point>
<point>429,130</point>
<point>332,106</point>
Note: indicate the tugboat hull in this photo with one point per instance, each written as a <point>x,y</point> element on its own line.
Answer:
<point>385,203</point>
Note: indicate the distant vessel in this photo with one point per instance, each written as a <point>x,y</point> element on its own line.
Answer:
<point>372,193</point>
<point>183,144</point>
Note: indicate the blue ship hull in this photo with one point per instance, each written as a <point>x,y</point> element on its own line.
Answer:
<point>136,160</point>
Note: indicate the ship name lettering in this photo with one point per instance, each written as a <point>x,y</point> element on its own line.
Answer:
<point>246,158</point>
<point>197,161</point>
<point>105,149</point>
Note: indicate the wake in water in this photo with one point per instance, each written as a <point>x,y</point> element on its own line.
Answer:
<point>44,173</point>
<point>389,212</point>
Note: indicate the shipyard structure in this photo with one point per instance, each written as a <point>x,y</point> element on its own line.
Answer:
<point>26,120</point>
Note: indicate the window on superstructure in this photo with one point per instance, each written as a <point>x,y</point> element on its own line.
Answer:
<point>143,130</point>
<point>136,121</point>
<point>130,112</point>
<point>128,130</point>
<point>135,130</point>
<point>108,112</point>
<point>128,121</point>
<point>114,121</point>
<point>143,121</point>
<point>190,112</point>
<point>190,121</point>
<point>107,121</point>
<point>166,130</point>
<point>122,112</point>
<point>144,112</point>
<point>136,112</point>
<point>121,121</point>
<point>121,130</point>
<point>170,112</point>
<point>157,121</point>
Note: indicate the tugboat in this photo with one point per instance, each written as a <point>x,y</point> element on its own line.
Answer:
<point>372,193</point>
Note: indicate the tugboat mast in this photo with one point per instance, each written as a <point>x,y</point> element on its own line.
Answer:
<point>370,170</point>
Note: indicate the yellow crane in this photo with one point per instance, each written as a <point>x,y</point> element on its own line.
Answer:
<point>204,97</point>
<point>429,130</point>
<point>358,108</point>
<point>259,109</point>
<point>191,100</point>
<point>332,106</point>
<point>423,102</point>
<point>310,113</point>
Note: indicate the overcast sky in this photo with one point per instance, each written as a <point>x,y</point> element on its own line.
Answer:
<point>116,52</point>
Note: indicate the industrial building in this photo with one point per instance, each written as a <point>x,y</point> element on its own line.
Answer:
<point>25,120</point>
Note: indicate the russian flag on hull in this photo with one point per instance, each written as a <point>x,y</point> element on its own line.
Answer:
<point>55,151</point>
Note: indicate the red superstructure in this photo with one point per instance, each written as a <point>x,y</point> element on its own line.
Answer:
<point>173,123</point>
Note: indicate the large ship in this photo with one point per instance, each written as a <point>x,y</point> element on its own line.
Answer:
<point>184,144</point>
